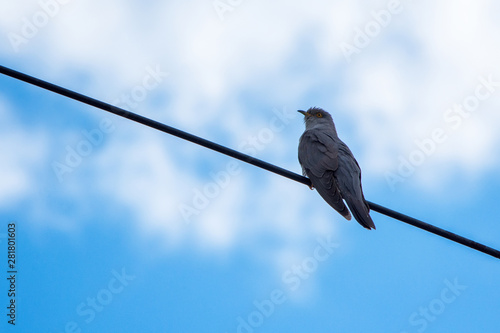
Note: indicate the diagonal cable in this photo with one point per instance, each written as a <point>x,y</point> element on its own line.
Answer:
<point>236,154</point>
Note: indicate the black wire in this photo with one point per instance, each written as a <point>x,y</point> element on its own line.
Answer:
<point>235,154</point>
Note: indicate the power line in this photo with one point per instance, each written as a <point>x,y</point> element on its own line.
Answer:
<point>236,154</point>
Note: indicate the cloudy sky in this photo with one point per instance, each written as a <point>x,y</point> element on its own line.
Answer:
<point>121,228</point>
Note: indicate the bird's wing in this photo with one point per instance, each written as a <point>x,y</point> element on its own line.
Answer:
<point>318,156</point>
<point>318,153</point>
<point>348,177</point>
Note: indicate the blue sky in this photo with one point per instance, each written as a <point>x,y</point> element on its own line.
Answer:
<point>120,228</point>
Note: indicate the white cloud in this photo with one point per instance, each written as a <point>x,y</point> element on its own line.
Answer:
<point>135,171</point>
<point>400,97</point>
<point>275,53</point>
<point>24,153</point>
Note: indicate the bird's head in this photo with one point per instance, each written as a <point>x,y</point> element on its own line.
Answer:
<point>314,117</point>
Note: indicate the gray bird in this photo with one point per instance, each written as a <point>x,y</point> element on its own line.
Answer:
<point>331,167</point>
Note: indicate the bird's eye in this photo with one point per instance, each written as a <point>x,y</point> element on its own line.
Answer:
<point>319,115</point>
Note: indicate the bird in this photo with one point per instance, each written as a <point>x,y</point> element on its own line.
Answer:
<point>331,167</point>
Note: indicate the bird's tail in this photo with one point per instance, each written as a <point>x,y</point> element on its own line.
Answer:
<point>361,211</point>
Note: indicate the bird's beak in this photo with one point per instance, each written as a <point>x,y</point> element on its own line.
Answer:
<point>305,113</point>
